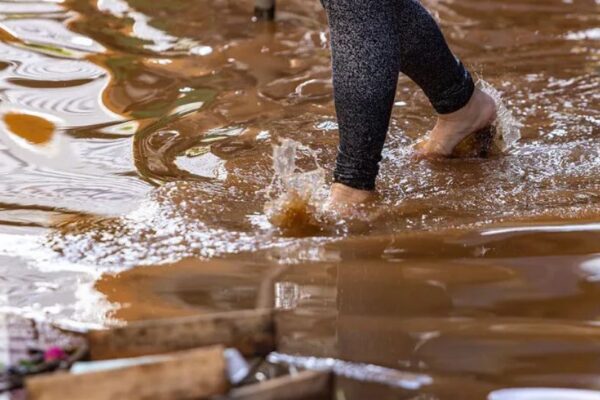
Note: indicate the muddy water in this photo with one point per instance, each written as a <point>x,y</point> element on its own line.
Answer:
<point>135,158</point>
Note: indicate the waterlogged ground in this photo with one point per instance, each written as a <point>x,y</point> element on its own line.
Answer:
<point>135,163</point>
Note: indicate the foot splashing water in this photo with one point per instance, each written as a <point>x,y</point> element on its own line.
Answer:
<point>297,202</point>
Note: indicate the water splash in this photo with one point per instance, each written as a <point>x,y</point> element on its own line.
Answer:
<point>295,195</point>
<point>289,177</point>
<point>507,126</point>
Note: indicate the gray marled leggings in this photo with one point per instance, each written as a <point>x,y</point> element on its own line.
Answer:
<point>372,41</point>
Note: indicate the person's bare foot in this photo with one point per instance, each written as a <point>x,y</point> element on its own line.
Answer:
<point>343,197</point>
<point>452,128</point>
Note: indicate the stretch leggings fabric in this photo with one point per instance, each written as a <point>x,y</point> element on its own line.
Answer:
<point>372,41</point>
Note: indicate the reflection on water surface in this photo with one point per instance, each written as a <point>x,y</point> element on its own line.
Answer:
<point>136,134</point>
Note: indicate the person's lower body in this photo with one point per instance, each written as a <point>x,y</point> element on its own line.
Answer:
<point>371,43</point>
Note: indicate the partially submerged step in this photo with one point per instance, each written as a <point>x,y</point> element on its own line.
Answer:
<point>249,331</point>
<point>198,373</point>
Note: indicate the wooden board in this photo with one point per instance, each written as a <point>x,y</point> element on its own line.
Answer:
<point>251,332</point>
<point>305,385</point>
<point>191,374</point>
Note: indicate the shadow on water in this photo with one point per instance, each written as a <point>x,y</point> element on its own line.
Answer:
<point>136,159</point>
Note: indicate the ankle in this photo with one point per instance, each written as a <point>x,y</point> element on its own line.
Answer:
<point>472,106</point>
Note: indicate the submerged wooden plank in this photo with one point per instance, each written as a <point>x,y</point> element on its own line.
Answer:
<point>250,331</point>
<point>305,385</point>
<point>191,374</point>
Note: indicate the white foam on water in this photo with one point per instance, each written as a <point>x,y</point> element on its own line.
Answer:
<point>358,371</point>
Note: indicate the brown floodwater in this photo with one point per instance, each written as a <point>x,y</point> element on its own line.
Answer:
<point>136,142</point>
